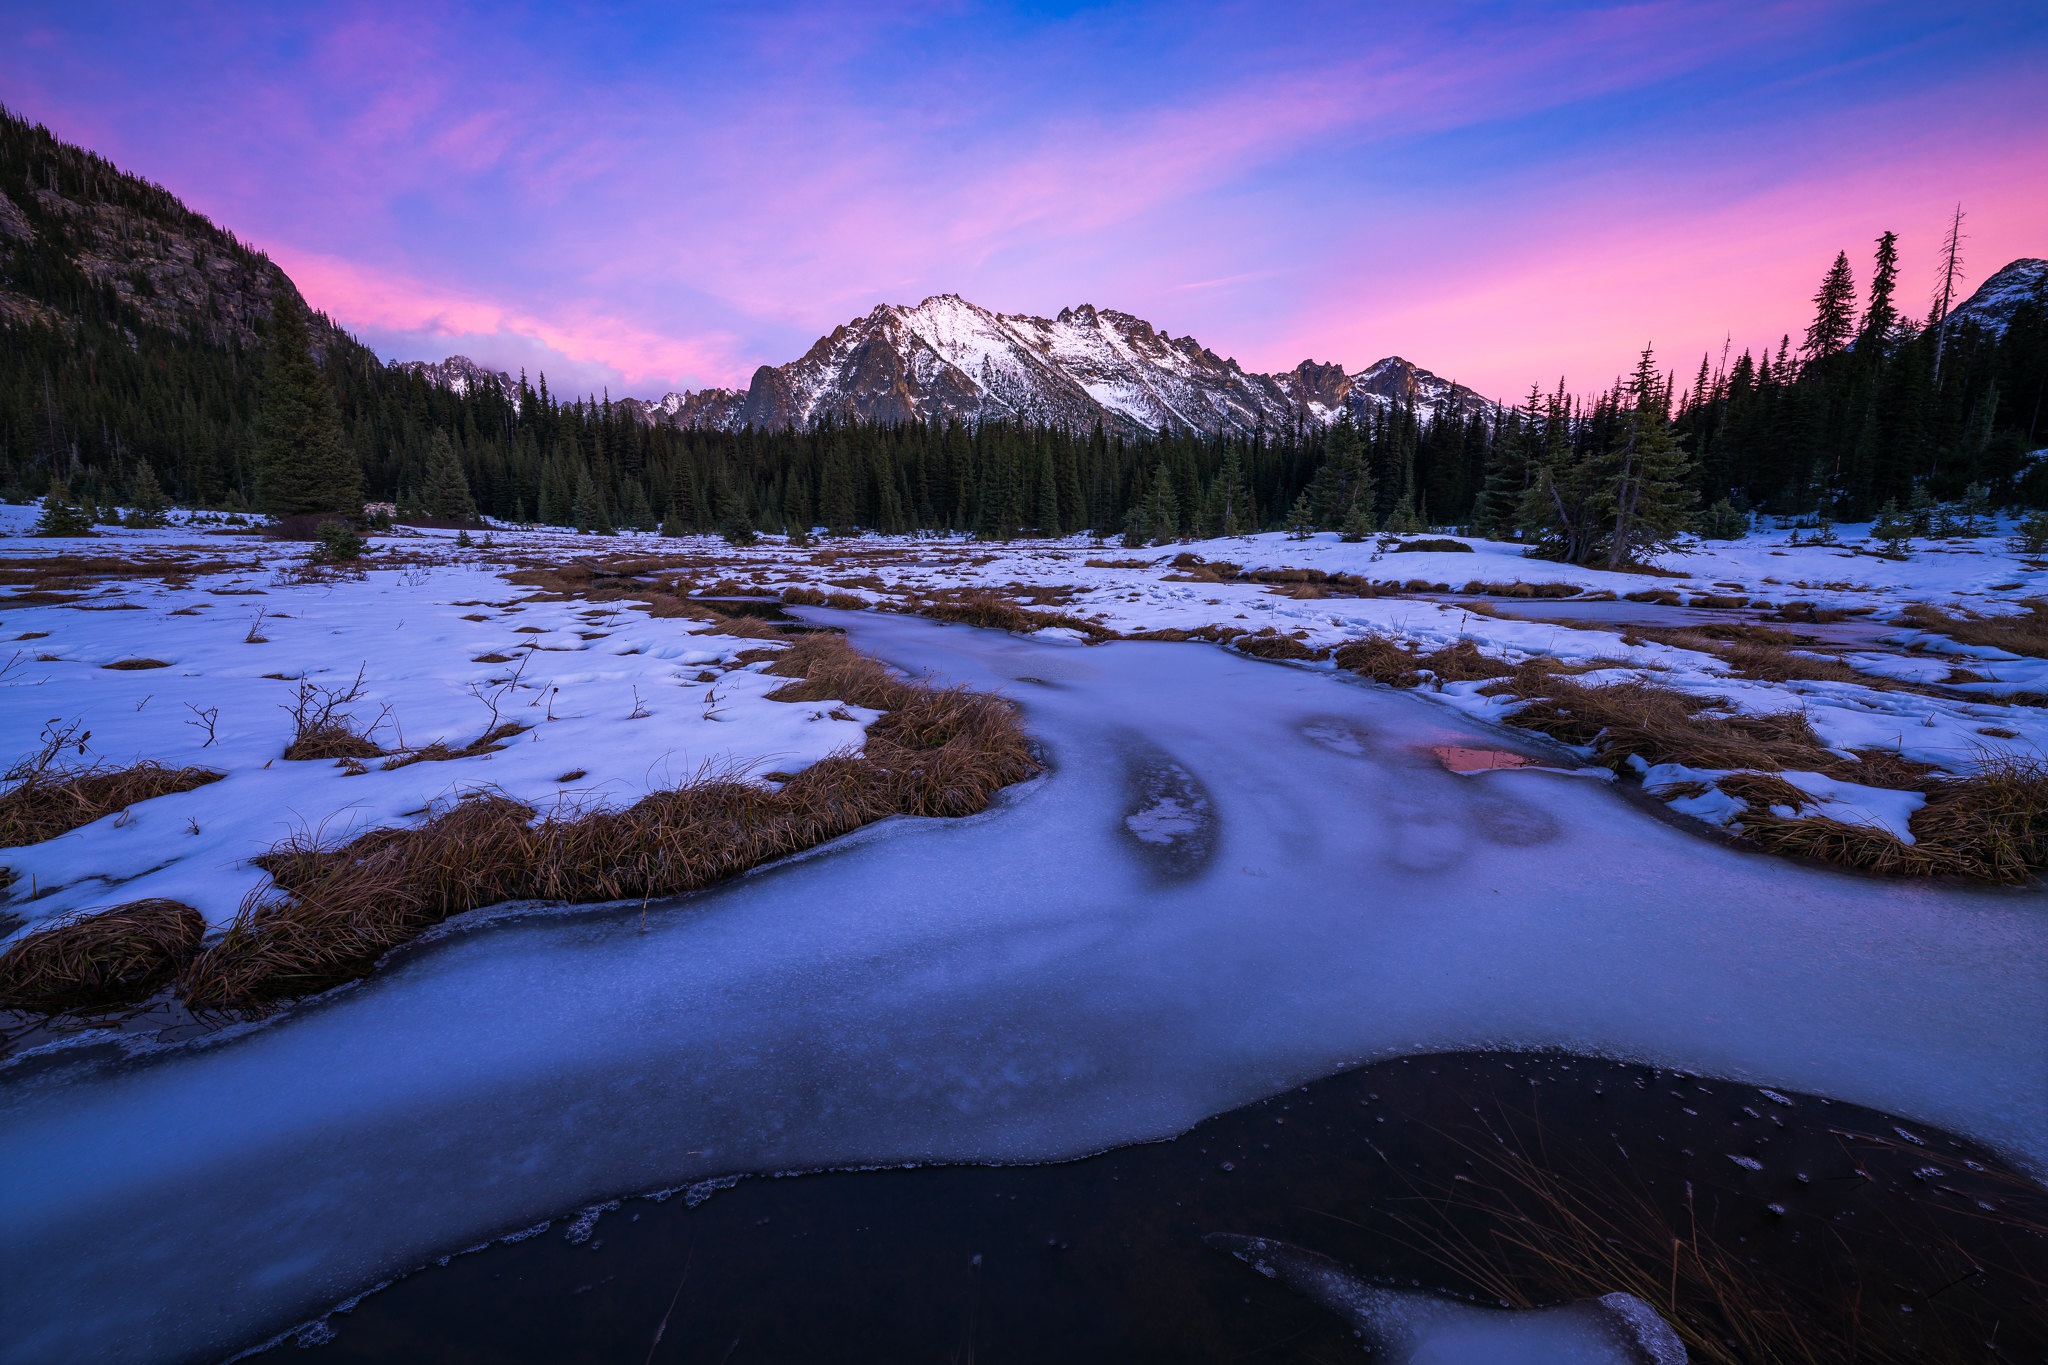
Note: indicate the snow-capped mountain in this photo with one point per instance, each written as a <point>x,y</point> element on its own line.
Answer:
<point>950,358</point>
<point>1992,306</point>
<point>459,374</point>
<point>947,357</point>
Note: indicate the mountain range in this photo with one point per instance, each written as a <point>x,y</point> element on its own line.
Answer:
<point>948,358</point>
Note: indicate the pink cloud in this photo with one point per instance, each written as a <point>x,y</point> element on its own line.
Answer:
<point>363,297</point>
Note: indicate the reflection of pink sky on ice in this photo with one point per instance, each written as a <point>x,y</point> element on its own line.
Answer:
<point>669,202</point>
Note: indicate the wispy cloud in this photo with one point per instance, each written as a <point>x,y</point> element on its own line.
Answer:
<point>674,196</point>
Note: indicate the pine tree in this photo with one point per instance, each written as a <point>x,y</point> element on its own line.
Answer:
<point>589,511</point>
<point>1343,482</point>
<point>146,501</point>
<point>1301,518</point>
<point>1162,508</point>
<point>1048,499</point>
<point>1834,313</point>
<point>1881,314</point>
<point>302,463</point>
<point>61,516</point>
<point>1230,502</point>
<point>444,493</point>
<point>1652,502</point>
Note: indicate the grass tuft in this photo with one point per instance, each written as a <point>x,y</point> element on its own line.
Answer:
<point>47,799</point>
<point>100,959</point>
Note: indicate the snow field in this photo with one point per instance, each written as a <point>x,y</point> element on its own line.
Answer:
<point>617,704</point>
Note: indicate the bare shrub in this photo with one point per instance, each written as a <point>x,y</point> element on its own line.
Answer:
<point>323,727</point>
<point>100,959</point>
<point>335,910</point>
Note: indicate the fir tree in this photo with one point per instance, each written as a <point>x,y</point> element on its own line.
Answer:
<point>444,493</point>
<point>146,501</point>
<point>1651,500</point>
<point>302,463</point>
<point>1048,500</point>
<point>589,511</point>
<point>1230,502</point>
<point>1834,313</point>
<point>1301,518</point>
<point>1881,314</point>
<point>1162,508</point>
<point>61,516</point>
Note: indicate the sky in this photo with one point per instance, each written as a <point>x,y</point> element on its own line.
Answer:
<point>648,198</point>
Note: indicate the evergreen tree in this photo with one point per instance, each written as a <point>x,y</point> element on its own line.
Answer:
<point>444,493</point>
<point>1162,508</point>
<point>61,516</point>
<point>1881,314</point>
<point>1343,484</point>
<point>1652,502</point>
<point>1230,501</point>
<point>1517,450</point>
<point>302,463</point>
<point>1834,313</point>
<point>1048,500</point>
<point>146,501</point>
<point>1301,518</point>
<point>589,510</point>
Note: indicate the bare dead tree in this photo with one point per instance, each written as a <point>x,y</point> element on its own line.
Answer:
<point>1945,290</point>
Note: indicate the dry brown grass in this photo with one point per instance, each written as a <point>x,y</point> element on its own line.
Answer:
<point>437,752</point>
<point>100,959</point>
<point>1386,660</point>
<point>1538,1223</point>
<point>49,798</point>
<point>812,597</point>
<point>1757,652</point>
<point>1806,613</point>
<point>2023,633</point>
<point>1658,724</point>
<point>134,665</point>
<point>1270,644</point>
<point>1521,589</point>
<point>984,607</point>
<point>335,910</point>
<point>61,802</point>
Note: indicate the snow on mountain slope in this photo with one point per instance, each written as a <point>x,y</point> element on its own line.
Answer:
<point>949,358</point>
<point>459,374</point>
<point>1995,301</point>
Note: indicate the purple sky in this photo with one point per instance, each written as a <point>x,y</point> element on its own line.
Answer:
<point>665,197</point>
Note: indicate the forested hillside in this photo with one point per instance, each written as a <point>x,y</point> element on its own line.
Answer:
<point>133,332</point>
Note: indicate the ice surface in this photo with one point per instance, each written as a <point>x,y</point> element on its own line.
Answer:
<point>1029,984</point>
<point>1405,1327</point>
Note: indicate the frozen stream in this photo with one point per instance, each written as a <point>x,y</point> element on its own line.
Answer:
<point>1237,877</point>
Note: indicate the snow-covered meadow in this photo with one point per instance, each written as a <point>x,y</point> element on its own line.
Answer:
<point>618,703</point>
